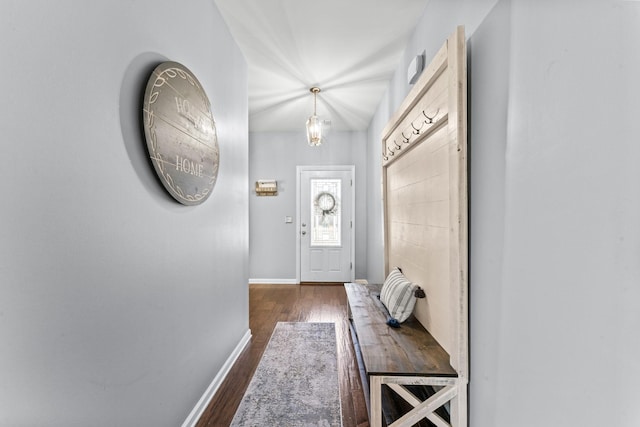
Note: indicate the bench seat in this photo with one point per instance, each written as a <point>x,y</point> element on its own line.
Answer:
<point>398,357</point>
<point>408,350</point>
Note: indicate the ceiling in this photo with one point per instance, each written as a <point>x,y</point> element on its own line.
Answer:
<point>348,48</point>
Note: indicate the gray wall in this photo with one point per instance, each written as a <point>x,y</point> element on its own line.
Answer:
<point>275,155</point>
<point>554,231</point>
<point>118,306</point>
<point>571,272</point>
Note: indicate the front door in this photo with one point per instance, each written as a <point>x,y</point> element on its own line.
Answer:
<point>325,206</point>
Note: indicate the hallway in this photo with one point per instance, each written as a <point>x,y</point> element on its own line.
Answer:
<point>269,304</point>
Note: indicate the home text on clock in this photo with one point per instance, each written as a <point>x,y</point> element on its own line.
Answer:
<point>188,166</point>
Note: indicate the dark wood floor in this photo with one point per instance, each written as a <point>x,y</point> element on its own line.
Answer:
<point>269,304</point>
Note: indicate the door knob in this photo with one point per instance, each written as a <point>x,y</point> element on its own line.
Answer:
<point>304,232</point>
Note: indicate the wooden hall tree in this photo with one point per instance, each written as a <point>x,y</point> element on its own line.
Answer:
<point>424,172</point>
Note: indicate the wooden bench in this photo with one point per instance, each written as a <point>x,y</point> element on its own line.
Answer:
<point>399,357</point>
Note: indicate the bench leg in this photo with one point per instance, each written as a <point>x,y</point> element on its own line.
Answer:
<point>375,391</point>
<point>459,407</point>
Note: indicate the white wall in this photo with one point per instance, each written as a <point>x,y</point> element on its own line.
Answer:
<point>554,207</point>
<point>275,155</point>
<point>571,272</point>
<point>118,306</point>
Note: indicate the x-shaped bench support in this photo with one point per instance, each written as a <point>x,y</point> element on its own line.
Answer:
<point>421,409</point>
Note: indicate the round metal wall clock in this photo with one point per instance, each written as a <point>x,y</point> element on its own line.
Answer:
<point>181,133</point>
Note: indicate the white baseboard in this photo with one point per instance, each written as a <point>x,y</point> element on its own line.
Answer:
<point>273,282</point>
<point>202,404</point>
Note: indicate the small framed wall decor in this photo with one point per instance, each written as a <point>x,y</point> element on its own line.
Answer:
<point>267,187</point>
<point>181,133</point>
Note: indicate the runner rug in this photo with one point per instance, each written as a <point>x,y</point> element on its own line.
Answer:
<point>296,381</point>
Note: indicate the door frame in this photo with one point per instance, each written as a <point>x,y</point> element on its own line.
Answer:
<point>325,168</point>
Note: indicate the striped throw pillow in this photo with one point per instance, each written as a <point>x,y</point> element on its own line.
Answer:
<point>398,295</point>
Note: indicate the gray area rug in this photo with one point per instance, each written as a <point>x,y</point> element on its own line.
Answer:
<point>296,381</point>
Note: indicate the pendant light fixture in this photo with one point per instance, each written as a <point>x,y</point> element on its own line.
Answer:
<point>314,125</point>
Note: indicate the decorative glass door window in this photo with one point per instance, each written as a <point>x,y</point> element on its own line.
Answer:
<point>325,212</point>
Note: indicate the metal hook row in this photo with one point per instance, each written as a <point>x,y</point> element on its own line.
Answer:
<point>406,139</point>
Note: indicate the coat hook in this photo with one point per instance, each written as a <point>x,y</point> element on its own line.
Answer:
<point>398,147</point>
<point>406,139</point>
<point>416,131</point>
<point>430,119</point>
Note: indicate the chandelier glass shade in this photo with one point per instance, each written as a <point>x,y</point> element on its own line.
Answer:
<point>314,125</point>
